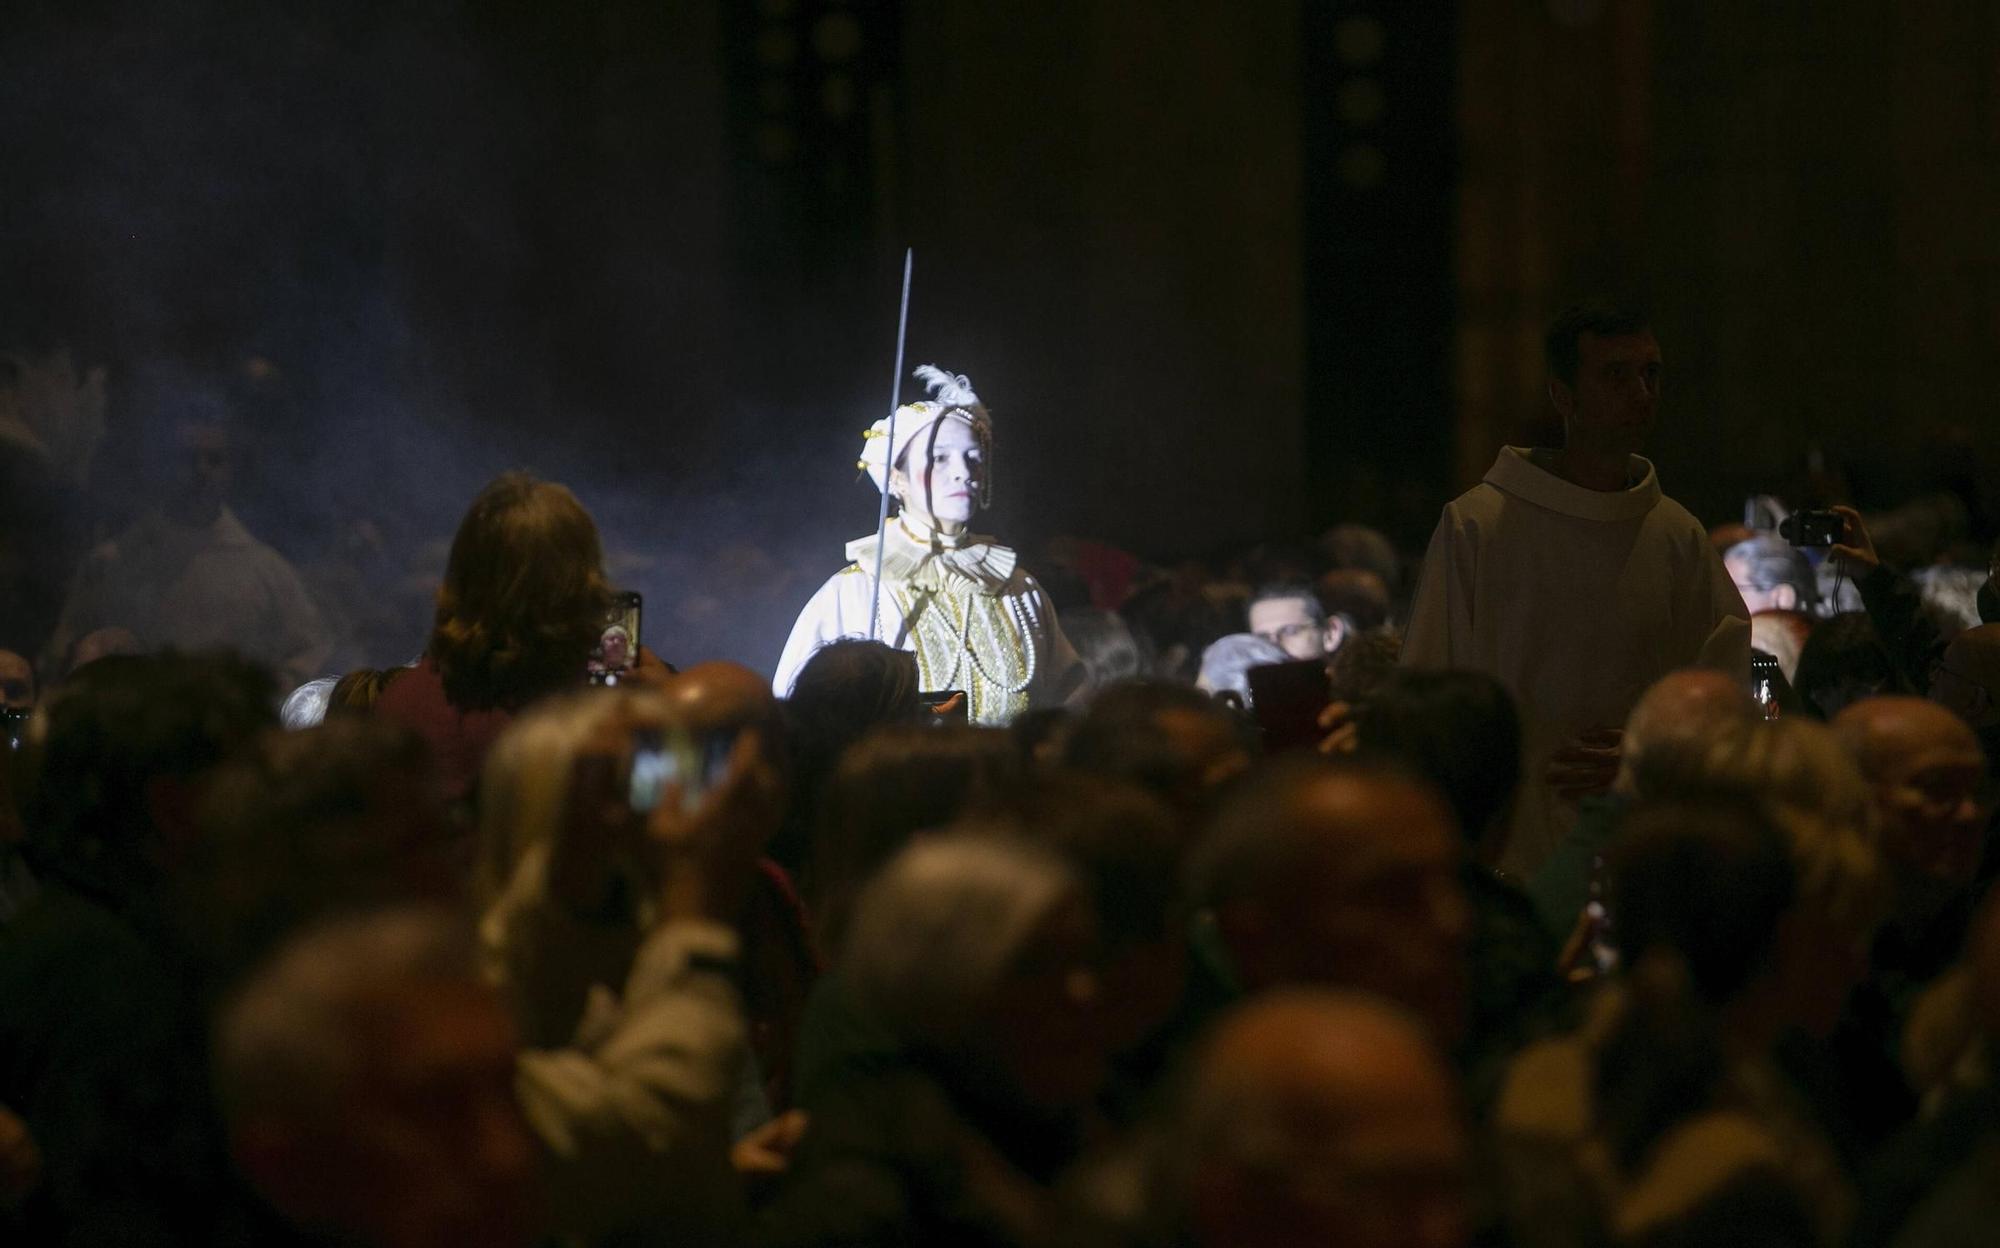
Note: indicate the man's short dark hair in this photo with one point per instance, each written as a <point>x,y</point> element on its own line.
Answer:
<point>1602,317</point>
<point>1278,591</point>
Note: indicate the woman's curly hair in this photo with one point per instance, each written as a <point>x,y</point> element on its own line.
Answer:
<point>524,595</point>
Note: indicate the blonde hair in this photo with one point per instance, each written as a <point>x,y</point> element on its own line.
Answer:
<point>524,803</point>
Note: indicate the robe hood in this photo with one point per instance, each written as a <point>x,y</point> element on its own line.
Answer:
<point>1529,475</point>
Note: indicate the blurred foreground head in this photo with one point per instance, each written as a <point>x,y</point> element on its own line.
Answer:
<point>1682,707</point>
<point>305,825</point>
<point>118,759</point>
<point>1928,777</point>
<point>1175,741</point>
<point>890,787</point>
<point>1320,1118</point>
<point>1341,876</point>
<point>978,953</point>
<point>366,1075</point>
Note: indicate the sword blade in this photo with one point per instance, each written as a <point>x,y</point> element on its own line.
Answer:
<point>889,450</point>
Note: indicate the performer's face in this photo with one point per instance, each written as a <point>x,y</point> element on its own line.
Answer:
<point>944,488</point>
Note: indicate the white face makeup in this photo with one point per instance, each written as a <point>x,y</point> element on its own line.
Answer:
<point>943,490</point>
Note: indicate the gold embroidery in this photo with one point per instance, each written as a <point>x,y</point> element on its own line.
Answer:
<point>970,641</point>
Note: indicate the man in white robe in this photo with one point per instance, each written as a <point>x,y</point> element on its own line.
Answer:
<point>189,575</point>
<point>1569,577</point>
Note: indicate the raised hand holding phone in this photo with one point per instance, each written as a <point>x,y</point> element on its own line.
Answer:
<point>708,845</point>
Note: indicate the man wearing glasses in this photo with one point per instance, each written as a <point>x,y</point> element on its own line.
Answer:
<point>1291,618</point>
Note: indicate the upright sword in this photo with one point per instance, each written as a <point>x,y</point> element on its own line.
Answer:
<point>888,466</point>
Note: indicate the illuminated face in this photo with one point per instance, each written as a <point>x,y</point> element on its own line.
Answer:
<point>1610,407</point>
<point>942,490</point>
<point>1288,623</point>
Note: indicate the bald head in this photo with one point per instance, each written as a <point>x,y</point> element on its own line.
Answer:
<point>1334,1055</point>
<point>1682,707</point>
<point>719,696</point>
<point>1887,734</point>
<point>1341,876</point>
<point>1298,1083</point>
<point>1927,773</point>
<point>1967,682</point>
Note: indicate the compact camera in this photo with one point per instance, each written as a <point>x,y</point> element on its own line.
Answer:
<point>1812,528</point>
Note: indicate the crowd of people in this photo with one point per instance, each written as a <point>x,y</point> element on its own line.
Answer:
<point>1629,885</point>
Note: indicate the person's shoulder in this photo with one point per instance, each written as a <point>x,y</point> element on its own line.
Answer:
<point>850,581</point>
<point>1671,514</point>
<point>1686,535</point>
<point>1465,513</point>
<point>412,694</point>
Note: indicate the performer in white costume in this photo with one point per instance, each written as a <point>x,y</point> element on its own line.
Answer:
<point>974,618</point>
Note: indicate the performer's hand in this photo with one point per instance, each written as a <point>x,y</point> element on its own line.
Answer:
<point>951,707</point>
<point>1854,546</point>
<point>1587,764</point>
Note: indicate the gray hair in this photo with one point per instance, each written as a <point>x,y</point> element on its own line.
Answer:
<point>287,1044</point>
<point>935,931</point>
<point>1950,597</point>
<point>305,706</point>
<point>1225,665</point>
<point>1770,562</point>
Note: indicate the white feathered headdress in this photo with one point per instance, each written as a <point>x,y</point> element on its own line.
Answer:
<point>952,396</point>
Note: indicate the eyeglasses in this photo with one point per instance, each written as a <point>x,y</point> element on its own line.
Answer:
<point>1939,799</point>
<point>1288,632</point>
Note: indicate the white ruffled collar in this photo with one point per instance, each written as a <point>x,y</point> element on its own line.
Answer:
<point>927,559</point>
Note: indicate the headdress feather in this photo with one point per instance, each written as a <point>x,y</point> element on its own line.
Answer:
<point>950,389</point>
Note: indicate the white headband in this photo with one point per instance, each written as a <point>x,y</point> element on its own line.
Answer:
<point>954,398</point>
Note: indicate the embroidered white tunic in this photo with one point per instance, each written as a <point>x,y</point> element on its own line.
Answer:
<point>973,617</point>
<point>1576,600</point>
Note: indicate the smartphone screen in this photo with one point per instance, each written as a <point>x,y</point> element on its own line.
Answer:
<point>618,645</point>
<point>675,756</point>
<point>1286,699</point>
<point>652,767</point>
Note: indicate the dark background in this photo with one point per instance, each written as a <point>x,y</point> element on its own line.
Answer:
<point>1222,271</point>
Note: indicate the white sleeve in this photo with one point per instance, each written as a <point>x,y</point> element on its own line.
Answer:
<point>635,1115</point>
<point>1441,615</point>
<point>1712,617</point>
<point>821,621</point>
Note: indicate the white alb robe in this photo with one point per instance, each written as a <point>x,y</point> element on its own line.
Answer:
<point>1576,600</point>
